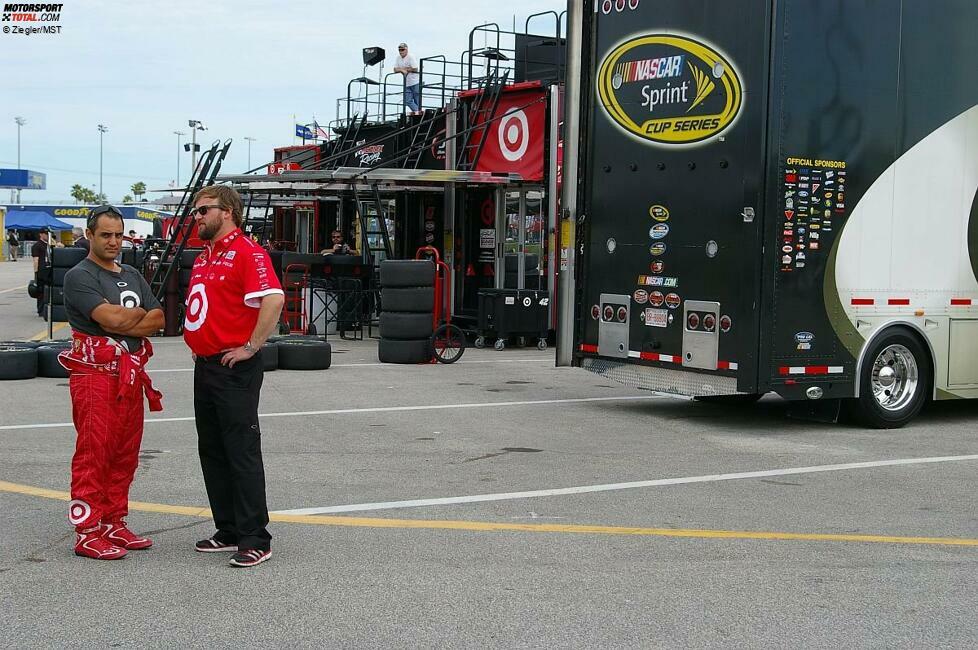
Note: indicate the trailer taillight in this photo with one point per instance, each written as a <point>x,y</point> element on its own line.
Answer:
<point>709,322</point>
<point>725,324</point>
<point>692,321</point>
<point>622,314</point>
<point>609,313</point>
<point>595,312</point>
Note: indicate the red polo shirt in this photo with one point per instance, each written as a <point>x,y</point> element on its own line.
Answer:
<point>229,279</point>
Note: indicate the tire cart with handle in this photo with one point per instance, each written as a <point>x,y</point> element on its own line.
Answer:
<point>447,340</point>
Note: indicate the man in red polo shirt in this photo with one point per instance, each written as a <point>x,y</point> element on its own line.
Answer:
<point>233,304</point>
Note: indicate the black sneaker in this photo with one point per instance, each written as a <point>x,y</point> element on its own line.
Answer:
<point>250,557</point>
<point>214,546</point>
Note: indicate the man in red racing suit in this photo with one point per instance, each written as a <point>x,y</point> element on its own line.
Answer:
<point>110,309</point>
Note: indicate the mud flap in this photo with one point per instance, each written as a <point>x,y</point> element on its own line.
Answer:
<point>825,411</point>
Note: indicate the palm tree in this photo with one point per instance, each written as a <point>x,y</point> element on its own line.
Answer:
<point>127,199</point>
<point>138,189</point>
<point>78,193</point>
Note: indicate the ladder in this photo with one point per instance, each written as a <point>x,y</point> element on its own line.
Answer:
<point>346,146</point>
<point>420,141</point>
<point>478,119</point>
<point>207,170</point>
<point>368,236</point>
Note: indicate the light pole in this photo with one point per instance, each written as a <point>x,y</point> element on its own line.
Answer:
<point>179,134</point>
<point>20,122</point>
<point>250,140</point>
<point>101,131</point>
<point>195,125</point>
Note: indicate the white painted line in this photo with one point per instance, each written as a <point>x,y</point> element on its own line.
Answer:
<point>14,289</point>
<point>389,365</point>
<point>710,478</point>
<point>379,409</point>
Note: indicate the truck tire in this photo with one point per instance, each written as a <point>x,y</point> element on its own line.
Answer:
<point>304,355</point>
<point>402,326</point>
<point>47,361</point>
<point>398,351</point>
<point>407,273</point>
<point>894,383</point>
<point>408,299</point>
<point>269,357</point>
<point>17,362</point>
<point>281,338</point>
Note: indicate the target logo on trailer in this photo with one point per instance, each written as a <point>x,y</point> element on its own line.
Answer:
<point>514,135</point>
<point>196,308</point>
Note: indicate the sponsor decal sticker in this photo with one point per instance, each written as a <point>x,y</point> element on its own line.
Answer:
<point>804,340</point>
<point>641,296</point>
<point>673,300</point>
<point>659,231</point>
<point>658,266</point>
<point>669,89</point>
<point>656,299</point>
<point>657,249</point>
<point>659,213</point>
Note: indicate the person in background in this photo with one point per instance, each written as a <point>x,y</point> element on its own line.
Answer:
<point>80,240</point>
<point>39,251</point>
<point>14,244</point>
<point>338,246</point>
<point>407,65</point>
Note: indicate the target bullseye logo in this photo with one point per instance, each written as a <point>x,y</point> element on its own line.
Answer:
<point>129,299</point>
<point>196,308</point>
<point>514,135</point>
<point>78,512</point>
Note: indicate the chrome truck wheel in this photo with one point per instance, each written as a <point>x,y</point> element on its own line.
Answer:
<point>894,381</point>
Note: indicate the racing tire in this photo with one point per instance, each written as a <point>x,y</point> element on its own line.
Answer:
<point>406,327</point>
<point>285,338</point>
<point>407,273</point>
<point>448,343</point>
<point>17,362</point>
<point>894,383</point>
<point>47,361</point>
<point>304,355</point>
<point>58,313</point>
<point>418,300</point>
<point>399,351</point>
<point>65,258</point>
<point>58,277</point>
<point>269,357</point>
<point>20,344</point>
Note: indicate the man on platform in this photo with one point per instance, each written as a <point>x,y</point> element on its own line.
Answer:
<point>111,310</point>
<point>233,304</point>
<point>407,65</point>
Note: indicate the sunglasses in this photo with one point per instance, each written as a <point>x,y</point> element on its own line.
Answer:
<point>202,210</point>
<point>99,211</point>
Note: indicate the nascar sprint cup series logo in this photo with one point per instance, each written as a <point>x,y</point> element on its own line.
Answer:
<point>669,90</point>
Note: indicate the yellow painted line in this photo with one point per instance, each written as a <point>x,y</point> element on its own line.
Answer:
<point>44,335</point>
<point>486,526</point>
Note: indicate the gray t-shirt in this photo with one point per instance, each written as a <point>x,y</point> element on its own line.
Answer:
<point>88,285</point>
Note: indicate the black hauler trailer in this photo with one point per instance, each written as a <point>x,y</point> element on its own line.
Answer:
<point>777,195</point>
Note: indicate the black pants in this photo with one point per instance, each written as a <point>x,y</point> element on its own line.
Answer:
<point>41,303</point>
<point>229,442</point>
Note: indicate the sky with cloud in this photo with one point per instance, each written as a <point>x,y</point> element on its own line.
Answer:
<point>243,68</point>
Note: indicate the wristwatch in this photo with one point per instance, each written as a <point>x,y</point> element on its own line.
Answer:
<point>249,347</point>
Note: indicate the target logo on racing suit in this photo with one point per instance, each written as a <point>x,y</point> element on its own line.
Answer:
<point>196,305</point>
<point>514,135</point>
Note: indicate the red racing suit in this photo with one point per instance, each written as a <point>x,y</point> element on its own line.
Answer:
<point>107,385</point>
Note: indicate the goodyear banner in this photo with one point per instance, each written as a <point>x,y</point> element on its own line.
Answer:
<point>129,212</point>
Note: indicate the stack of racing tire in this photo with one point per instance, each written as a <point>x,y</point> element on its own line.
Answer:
<point>407,300</point>
<point>62,259</point>
<point>296,352</point>
<point>30,359</point>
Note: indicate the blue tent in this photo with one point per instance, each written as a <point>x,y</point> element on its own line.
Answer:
<point>32,220</point>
